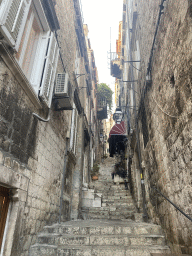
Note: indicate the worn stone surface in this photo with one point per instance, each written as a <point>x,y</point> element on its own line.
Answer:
<point>165,133</point>
<point>32,152</point>
<point>105,236</point>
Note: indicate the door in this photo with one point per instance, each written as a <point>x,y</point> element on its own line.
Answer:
<point>4,205</point>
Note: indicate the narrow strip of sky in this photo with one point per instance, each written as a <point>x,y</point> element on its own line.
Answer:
<point>100,16</point>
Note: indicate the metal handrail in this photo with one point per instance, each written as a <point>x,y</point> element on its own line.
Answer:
<point>187,216</point>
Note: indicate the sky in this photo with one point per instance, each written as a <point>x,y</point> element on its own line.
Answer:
<point>100,16</point>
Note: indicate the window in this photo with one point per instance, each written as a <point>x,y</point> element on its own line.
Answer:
<point>25,28</point>
<point>29,42</point>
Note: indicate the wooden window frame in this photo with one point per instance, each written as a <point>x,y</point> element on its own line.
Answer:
<point>43,71</point>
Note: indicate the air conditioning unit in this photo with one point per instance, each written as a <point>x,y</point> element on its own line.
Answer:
<point>63,92</point>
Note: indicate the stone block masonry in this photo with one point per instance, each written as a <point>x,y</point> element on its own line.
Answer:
<point>45,152</point>
<point>108,229</point>
<point>38,197</point>
<point>167,153</point>
<point>32,152</point>
<point>17,125</point>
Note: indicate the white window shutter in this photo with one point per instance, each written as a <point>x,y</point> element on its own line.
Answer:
<point>72,127</point>
<point>47,84</point>
<point>13,15</point>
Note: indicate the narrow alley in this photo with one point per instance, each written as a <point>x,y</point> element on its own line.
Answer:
<point>113,229</point>
<point>95,128</point>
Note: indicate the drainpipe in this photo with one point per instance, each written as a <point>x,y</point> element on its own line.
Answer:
<point>145,215</point>
<point>63,179</point>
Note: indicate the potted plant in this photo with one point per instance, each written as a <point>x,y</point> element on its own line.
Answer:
<point>95,172</point>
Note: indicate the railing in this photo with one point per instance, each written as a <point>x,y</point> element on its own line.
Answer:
<point>187,216</point>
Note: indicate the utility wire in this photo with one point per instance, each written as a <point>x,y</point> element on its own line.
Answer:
<point>60,54</point>
<point>135,67</point>
<point>163,110</point>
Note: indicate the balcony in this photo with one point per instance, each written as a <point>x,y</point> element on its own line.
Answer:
<point>101,108</point>
<point>115,65</point>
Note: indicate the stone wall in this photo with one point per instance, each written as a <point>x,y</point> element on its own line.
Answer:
<point>32,152</point>
<point>168,107</point>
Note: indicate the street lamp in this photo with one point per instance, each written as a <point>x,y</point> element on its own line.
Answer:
<point>104,145</point>
<point>118,115</point>
<point>101,137</point>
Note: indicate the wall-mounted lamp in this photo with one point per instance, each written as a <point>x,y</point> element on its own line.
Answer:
<point>78,75</point>
<point>131,107</point>
<point>118,115</point>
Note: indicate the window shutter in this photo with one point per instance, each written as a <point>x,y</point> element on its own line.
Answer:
<point>72,127</point>
<point>13,15</point>
<point>47,83</point>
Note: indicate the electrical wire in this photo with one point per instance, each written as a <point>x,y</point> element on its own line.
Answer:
<point>60,54</point>
<point>163,110</point>
<point>135,67</point>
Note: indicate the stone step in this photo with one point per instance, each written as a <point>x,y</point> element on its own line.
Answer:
<point>114,193</point>
<point>117,197</point>
<point>113,207</point>
<point>120,186</point>
<point>111,217</point>
<point>109,231</point>
<point>125,240</point>
<point>106,227</point>
<point>118,202</point>
<point>127,199</point>
<point>117,212</point>
<point>111,213</point>
<point>106,187</point>
<point>122,204</point>
<point>165,254</point>
<point>108,192</point>
<point>43,250</point>
<point>49,250</point>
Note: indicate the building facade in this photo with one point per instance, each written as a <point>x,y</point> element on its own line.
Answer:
<point>47,106</point>
<point>156,101</point>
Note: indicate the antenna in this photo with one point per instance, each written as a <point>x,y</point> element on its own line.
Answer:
<point>110,44</point>
<point>109,57</point>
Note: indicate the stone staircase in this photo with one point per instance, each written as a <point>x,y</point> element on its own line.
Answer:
<point>110,230</point>
<point>100,238</point>
<point>116,202</point>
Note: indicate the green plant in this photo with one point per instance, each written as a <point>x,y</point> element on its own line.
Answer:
<point>104,90</point>
<point>95,169</point>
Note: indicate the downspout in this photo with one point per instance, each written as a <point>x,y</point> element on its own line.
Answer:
<point>145,215</point>
<point>90,147</point>
<point>41,118</point>
<point>63,179</point>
